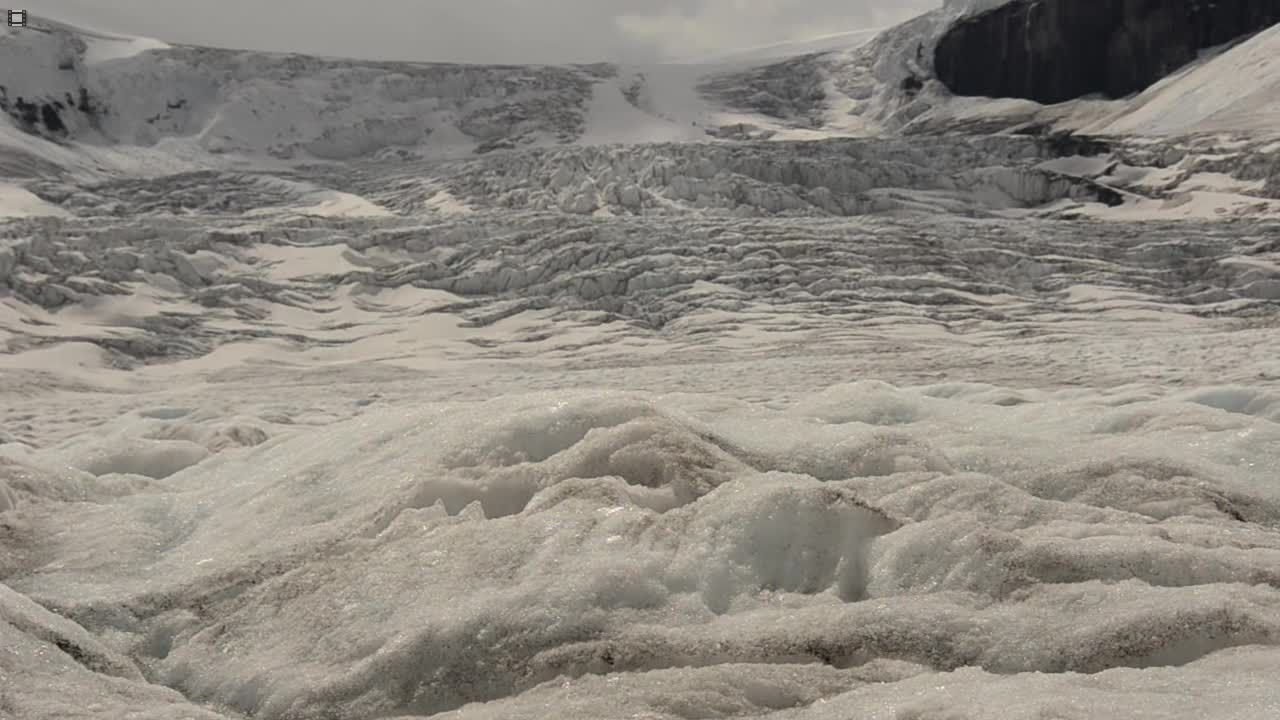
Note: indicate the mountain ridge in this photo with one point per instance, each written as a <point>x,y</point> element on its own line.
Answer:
<point>103,89</point>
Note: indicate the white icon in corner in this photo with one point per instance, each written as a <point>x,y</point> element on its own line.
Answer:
<point>17,18</point>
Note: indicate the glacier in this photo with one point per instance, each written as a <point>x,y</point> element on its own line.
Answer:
<point>781,383</point>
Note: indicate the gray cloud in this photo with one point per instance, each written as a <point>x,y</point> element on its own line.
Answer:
<point>484,30</point>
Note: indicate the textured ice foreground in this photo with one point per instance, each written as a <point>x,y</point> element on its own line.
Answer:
<point>868,549</point>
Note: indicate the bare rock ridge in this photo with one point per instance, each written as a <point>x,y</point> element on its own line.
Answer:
<point>1056,50</point>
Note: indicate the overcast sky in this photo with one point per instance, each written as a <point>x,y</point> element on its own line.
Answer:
<point>483,30</point>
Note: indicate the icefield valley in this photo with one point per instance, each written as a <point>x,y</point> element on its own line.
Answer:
<point>899,375</point>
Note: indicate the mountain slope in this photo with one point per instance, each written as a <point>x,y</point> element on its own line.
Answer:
<point>194,107</point>
<point>1236,90</point>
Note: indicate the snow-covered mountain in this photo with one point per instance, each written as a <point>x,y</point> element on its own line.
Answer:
<point>91,106</point>
<point>755,385</point>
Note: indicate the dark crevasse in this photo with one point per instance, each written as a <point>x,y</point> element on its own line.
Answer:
<point>1056,50</point>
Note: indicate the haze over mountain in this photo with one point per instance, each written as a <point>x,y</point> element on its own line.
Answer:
<point>788,381</point>
<point>485,31</point>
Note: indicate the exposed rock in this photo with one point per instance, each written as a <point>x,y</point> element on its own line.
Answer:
<point>1055,50</point>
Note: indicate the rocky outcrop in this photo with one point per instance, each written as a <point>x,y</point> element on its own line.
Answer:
<point>1056,50</point>
<point>48,115</point>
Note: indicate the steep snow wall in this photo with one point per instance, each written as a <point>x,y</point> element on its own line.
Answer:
<point>1055,50</point>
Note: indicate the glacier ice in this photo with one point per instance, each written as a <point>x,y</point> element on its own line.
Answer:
<point>779,388</point>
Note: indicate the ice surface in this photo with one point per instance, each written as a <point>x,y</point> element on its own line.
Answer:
<point>15,202</point>
<point>416,559</point>
<point>338,389</point>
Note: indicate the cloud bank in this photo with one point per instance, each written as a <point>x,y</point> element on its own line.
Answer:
<point>484,31</point>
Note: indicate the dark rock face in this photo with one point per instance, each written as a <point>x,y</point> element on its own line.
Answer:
<point>48,116</point>
<point>1056,50</point>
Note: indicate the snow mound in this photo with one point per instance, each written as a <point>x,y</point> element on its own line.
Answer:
<point>579,534</point>
<point>25,616</point>
<point>65,671</point>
